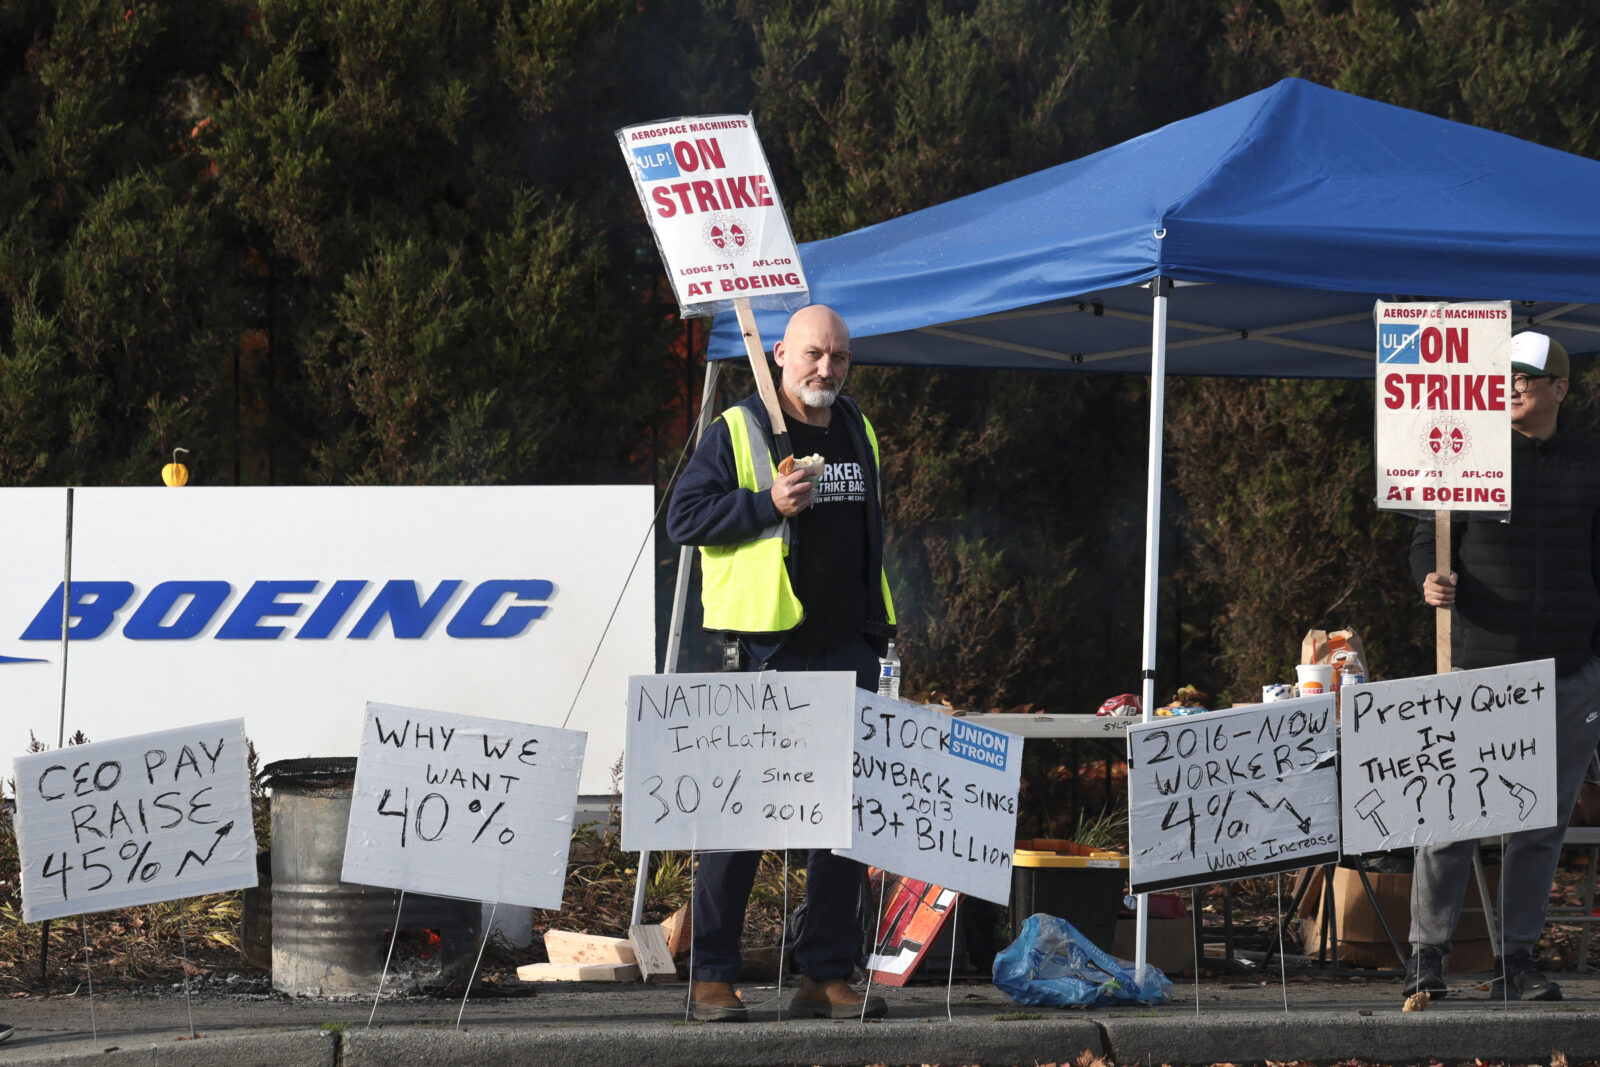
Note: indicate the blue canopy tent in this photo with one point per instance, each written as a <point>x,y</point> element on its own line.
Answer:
<point>1250,240</point>
<point>1273,222</point>
<point>1297,207</point>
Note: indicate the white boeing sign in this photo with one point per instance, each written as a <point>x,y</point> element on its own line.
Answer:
<point>293,607</point>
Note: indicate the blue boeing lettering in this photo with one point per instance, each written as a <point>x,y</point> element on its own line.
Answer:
<point>195,603</point>
<point>473,618</point>
<point>408,617</point>
<point>497,608</point>
<point>259,601</point>
<point>332,610</point>
<point>94,606</point>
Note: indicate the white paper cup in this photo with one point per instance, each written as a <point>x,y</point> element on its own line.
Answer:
<point>1314,678</point>
<point>1277,691</point>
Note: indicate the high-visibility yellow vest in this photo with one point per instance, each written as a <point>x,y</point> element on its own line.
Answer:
<point>745,587</point>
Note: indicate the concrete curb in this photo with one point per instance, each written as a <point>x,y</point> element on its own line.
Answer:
<point>751,1045</point>
<point>1393,1037</point>
<point>267,1048</point>
<point>581,1029</point>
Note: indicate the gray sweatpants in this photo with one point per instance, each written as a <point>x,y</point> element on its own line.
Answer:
<point>1528,867</point>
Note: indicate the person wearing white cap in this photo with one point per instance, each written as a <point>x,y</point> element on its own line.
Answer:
<point>1525,588</point>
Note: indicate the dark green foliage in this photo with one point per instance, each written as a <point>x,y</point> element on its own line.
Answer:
<point>113,291</point>
<point>1282,532</point>
<point>393,241</point>
<point>1013,588</point>
<point>371,241</point>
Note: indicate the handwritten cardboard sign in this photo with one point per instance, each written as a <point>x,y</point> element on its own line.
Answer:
<point>1448,757</point>
<point>1233,793</point>
<point>136,820</point>
<point>459,806</point>
<point>935,797</point>
<point>738,761</point>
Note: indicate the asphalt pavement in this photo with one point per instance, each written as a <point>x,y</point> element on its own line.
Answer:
<point>1241,1018</point>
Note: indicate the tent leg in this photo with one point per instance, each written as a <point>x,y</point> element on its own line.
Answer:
<point>1159,287</point>
<point>680,604</point>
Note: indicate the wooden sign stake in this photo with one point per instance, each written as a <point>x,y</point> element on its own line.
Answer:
<point>1441,616</point>
<point>758,366</point>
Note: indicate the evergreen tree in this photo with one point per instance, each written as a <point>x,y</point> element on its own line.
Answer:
<point>115,294</point>
<point>350,242</point>
<point>1010,592</point>
<point>1276,478</point>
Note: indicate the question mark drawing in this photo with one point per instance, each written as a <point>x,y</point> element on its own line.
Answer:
<point>1450,794</point>
<point>1483,776</point>
<point>1421,783</point>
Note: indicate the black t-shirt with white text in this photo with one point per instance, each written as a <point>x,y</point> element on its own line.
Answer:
<point>828,560</point>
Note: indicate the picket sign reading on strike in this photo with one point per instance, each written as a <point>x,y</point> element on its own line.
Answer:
<point>135,820</point>
<point>738,761</point>
<point>935,797</point>
<point>1443,426</point>
<point>1231,794</point>
<point>460,806</point>
<point>708,193</point>
<point>1448,757</point>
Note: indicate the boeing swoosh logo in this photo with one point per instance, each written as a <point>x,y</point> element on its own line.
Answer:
<point>21,659</point>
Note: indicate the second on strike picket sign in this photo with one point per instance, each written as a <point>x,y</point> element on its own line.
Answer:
<point>136,820</point>
<point>935,797</point>
<point>460,806</point>
<point>1443,440</point>
<point>738,761</point>
<point>1231,794</point>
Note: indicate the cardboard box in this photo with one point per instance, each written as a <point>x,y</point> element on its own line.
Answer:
<point>1362,942</point>
<point>1169,947</point>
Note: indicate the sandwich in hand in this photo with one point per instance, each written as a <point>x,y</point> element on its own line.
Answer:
<point>811,464</point>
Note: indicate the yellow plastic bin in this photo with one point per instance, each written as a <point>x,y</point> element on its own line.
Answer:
<point>1081,885</point>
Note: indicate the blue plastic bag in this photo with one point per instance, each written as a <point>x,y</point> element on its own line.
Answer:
<point>1051,963</point>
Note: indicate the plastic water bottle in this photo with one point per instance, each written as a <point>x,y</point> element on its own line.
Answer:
<point>889,674</point>
<point>1352,671</point>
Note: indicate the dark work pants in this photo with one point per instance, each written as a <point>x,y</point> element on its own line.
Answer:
<point>1529,858</point>
<point>830,935</point>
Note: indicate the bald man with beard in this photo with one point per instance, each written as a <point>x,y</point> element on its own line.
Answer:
<point>793,579</point>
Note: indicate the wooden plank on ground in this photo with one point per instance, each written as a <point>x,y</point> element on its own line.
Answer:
<point>678,928</point>
<point>578,972</point>
<point>650,950</point>
<point>566,946</point>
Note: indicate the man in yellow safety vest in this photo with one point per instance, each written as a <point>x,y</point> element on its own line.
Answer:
<point>792,569</point>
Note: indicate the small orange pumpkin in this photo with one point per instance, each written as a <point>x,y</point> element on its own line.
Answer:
<point>175,474</point>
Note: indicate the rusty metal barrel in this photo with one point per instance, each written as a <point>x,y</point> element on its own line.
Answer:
<point>330,937</point>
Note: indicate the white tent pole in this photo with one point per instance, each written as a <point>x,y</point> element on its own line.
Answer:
<point>1152,551</point>
<point>680,605</point>
<point>680,594</point>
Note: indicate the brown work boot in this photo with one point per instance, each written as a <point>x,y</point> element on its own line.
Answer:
<point>832,998</point>
<point>717,1002</point>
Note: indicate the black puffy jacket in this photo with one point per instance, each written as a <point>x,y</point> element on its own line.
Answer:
<point>1529,588</point>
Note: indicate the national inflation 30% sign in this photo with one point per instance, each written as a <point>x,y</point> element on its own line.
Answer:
<point>686,797</point>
